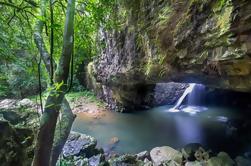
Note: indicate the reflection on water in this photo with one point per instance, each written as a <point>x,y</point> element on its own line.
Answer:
<point>188,129</point>
<point>221,118</point>
<point>216,128</point>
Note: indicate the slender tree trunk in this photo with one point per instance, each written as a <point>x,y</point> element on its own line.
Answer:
<point>64,126</point>
<point>46,131</point>
<point>63,129</point>
<point>48,122</point>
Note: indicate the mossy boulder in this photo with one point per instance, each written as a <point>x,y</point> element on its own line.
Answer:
<point>125,160</point>
<point>165,154</point>
<point>222,159</point>
<point>16,145</point>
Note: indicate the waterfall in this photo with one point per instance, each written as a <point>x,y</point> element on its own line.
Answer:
<point>193,93</point>
<point>195,97</point>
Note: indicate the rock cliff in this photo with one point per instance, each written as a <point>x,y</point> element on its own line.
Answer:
<point>200,41</point>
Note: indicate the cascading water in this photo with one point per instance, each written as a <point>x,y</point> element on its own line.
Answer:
<point>194,94</point>
<point>188,90</point>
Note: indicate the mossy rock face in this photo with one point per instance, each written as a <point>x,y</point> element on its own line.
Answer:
<point>177,40</point>
<point>207,41</point>
<point>18,124</point>
<point>16,145</point>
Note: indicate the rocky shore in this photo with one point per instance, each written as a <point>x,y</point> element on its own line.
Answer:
<point>81,150</point>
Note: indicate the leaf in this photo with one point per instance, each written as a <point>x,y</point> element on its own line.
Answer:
<point>59,85</point>
<point>41,18</point>
<point>50,105</point>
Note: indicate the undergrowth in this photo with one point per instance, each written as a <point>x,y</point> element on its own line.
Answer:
<point>88,95</point>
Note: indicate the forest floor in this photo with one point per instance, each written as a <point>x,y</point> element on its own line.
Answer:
<point>86,103</point>
<point>26,110</point>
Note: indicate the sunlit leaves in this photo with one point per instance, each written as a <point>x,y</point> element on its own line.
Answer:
<point>91,15</point>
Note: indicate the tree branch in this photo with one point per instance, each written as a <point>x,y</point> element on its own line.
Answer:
<point>17,7</point>
<point>10,5</point>
<point>14,14</point>
<point>31,2</point>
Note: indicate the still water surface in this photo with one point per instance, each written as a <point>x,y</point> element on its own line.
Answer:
<point>220,129</point>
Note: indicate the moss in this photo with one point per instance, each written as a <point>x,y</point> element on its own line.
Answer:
<point>224,19</point>
<point>218,5</point>
<point>164,16</point>
<point>184,20</point>
<point>199,4</point>
<point>148,68</point>
<point>220,34</point>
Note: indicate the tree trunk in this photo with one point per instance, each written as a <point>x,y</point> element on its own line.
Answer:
<point>63,129</point>
<point>62,132</point>
<point>46,130</point>
<point>48,122</point>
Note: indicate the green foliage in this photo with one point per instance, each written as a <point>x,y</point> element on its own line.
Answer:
<point>19,78</point>
<point>15,29</point>
<point>18,71</point>
<point>91,16</point>
<point>3,86</point>
<point>219,5</point>
<point>77,87</point>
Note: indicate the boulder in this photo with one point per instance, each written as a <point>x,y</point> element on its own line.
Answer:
<point>26,103</point>
<point>80,145</point>
<point>80,162</point>
<point>222,159</point>
<point>16,145</point>
<point>12,104</point>
<point>241,161</point>
<point>19,113</point>
<point>8,104</point>
<point>194,163</point>
<point>147,162</point>
<point>247,154</point>
<point>189,151</point>
<point>165,154</point>
<point>96,160</point>
<point>125,160</point>
<point>11,116</point>
<point>169,163</point>
<point>143,155</point>
<point>201,154</point>
<point>24,119</point>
